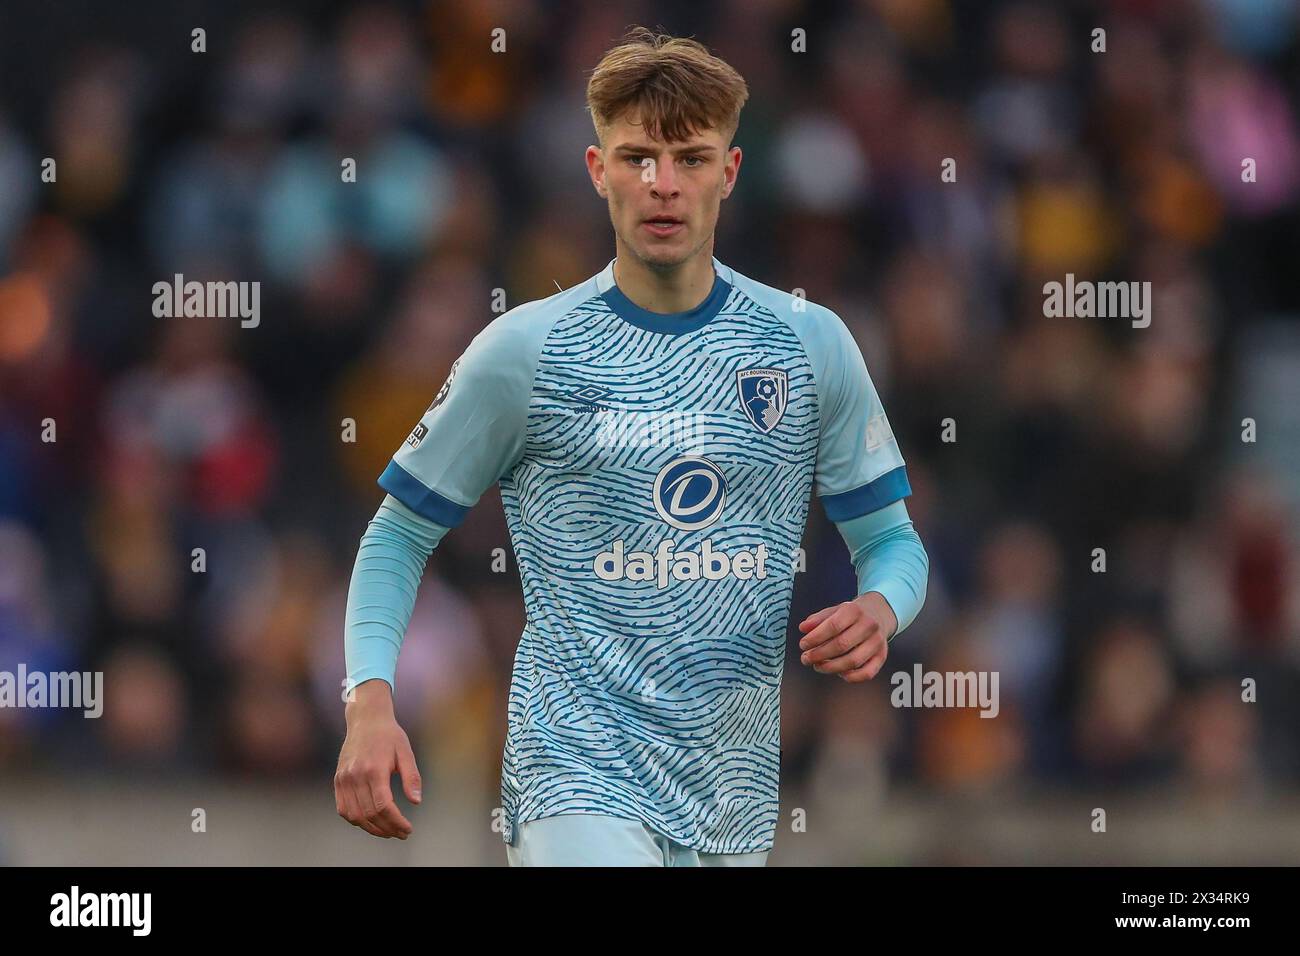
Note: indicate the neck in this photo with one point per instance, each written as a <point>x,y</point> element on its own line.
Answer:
<point>678,289</point>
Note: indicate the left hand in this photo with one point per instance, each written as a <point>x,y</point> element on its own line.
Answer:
<point>850,639</point>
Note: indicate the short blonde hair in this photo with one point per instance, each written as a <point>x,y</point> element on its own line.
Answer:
<point>676,86</point>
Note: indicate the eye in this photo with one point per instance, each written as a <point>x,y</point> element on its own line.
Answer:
<point>699,160</point>
<point>637,160</point>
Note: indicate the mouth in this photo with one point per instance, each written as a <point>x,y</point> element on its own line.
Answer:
<point>663,225</point>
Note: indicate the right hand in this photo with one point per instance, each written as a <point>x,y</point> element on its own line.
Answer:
<point>375,748</point>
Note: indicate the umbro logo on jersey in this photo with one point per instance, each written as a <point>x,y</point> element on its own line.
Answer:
<point>763,396</point>
<point>589,397</point>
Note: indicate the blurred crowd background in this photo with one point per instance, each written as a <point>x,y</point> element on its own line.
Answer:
<point>1071,433</point>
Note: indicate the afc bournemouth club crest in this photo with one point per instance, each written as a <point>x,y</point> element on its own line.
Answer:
<point>763,394</point>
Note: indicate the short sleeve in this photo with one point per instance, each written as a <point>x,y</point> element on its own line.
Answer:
<point>473,432</point>
<point>859,466</point>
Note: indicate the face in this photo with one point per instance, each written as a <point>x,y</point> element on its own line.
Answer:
<point>663,197</point>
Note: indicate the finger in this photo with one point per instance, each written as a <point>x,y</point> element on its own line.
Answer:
<point>345,793</point>
<point>843,643</point>
<point>361,802</point>
<point>840,618</point>
<point>384,813</point>
<point>849,641</point>
<point>341,796</point>
<point>870,669</point>
<point>381,808</point>
<point>353,807</point>
<point>863,652</point>
<point>812,620</point>
<point>409,772</point>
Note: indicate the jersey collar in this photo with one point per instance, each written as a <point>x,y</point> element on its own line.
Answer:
<point>670,323</point>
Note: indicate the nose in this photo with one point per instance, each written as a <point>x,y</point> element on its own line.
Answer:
<point>664,183</point>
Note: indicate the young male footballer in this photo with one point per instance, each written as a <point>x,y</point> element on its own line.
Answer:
<point>657,431</point>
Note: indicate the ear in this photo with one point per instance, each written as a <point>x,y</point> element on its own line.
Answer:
<point>596,169</point>
<point>730,170</point>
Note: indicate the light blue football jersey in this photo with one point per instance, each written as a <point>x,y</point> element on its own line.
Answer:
<point>656,473</point>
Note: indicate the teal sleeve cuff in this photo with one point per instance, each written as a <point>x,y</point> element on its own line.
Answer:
<point>889,559</point>
<point>381,594</point>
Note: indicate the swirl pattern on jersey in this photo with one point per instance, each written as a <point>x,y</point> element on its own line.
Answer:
<point>648,688</point>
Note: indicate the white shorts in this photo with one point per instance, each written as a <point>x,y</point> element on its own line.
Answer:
<point>593,839</point>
